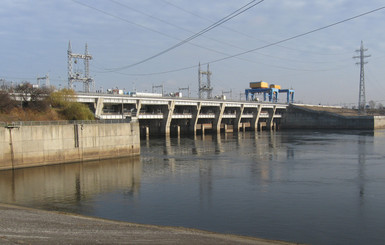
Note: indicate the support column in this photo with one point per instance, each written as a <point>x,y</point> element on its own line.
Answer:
<point>194,120</point>
<point>218,118</point>
<point>237,122</point>
<point>138,108</point>
<point>167,117</point>
<point>271,118</point>
<point>255,120</point>
<point>99,107</point>
<point>156,127</point>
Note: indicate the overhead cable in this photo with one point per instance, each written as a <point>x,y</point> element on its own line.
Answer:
<point>223,20</point>
<point>265,46</point>
<point>212,26</point>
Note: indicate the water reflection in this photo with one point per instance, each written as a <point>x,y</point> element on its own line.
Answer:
<point>361,165</point>
<point>307,187</point>
<point>69,183</point>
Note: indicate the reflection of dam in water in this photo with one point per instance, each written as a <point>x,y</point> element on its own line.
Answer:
<point>69,182</point>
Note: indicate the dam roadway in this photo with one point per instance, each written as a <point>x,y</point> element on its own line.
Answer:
<point>172,115</point>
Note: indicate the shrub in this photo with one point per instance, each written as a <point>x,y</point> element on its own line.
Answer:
<point>77,111</point>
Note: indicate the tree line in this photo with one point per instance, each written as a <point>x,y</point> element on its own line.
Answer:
<point>41,104</point>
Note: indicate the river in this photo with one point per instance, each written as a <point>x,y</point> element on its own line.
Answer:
<point>315,187</point>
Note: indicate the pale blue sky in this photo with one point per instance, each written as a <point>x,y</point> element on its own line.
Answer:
<point>34,39</point>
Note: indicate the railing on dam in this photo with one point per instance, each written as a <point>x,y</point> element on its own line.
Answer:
<point>63,122</point>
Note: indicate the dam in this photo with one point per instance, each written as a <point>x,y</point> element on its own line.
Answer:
<point>123,119</point>
<point>170,115</point>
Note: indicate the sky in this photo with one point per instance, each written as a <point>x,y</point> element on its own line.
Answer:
<point>319,66</point>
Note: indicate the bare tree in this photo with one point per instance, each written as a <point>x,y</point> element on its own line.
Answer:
<point>372,104</point>
<point>33,98</point>
<point>7,103</point>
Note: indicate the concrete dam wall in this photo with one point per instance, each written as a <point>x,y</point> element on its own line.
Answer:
<point>35,145</point>
<point>298,117</point>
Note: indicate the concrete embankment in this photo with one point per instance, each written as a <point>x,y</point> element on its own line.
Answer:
<point>30,226</point>
<point>24,145</point>
<point>322,117</point>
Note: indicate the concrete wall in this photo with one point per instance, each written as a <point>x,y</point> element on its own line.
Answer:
<point>379,122</point>
<point>302,118</point>
<point>28,146</point>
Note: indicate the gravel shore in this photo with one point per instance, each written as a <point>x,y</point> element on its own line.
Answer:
<point>20,225</point>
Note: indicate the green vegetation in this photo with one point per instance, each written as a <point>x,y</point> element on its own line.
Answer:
<point>41,104</point>
<point>65,104</point>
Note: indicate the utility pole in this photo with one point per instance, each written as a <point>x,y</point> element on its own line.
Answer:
<point>187,89</point>
<point>241,95</point>
<point>362,96</point>
<point>3,84</point>
<point>154,87</point>
<point>230,92</point>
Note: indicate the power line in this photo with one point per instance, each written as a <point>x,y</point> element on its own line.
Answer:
<point>209,28</point>
<point>219,41</point>
<point>171,24</point>
<point>239,32</point>
<point>106,70</point>
<point>266,46</point>
<point>299,35</point>
<point>122,19</point>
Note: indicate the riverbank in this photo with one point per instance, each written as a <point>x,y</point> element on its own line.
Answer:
<point>20,225</point>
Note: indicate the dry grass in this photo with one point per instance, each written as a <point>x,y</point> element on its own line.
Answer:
<point>345,111</point>
<point>18,114</point>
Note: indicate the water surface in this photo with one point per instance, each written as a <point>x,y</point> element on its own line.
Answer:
<point>311,187</point>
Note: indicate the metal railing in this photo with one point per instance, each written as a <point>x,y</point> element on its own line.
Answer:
<point>38,123</point>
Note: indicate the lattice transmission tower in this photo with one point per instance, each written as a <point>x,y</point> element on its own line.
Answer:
<point>205,87</point>
<point>45,78</point>
<point>362,62</point>
<point>76,76</point>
